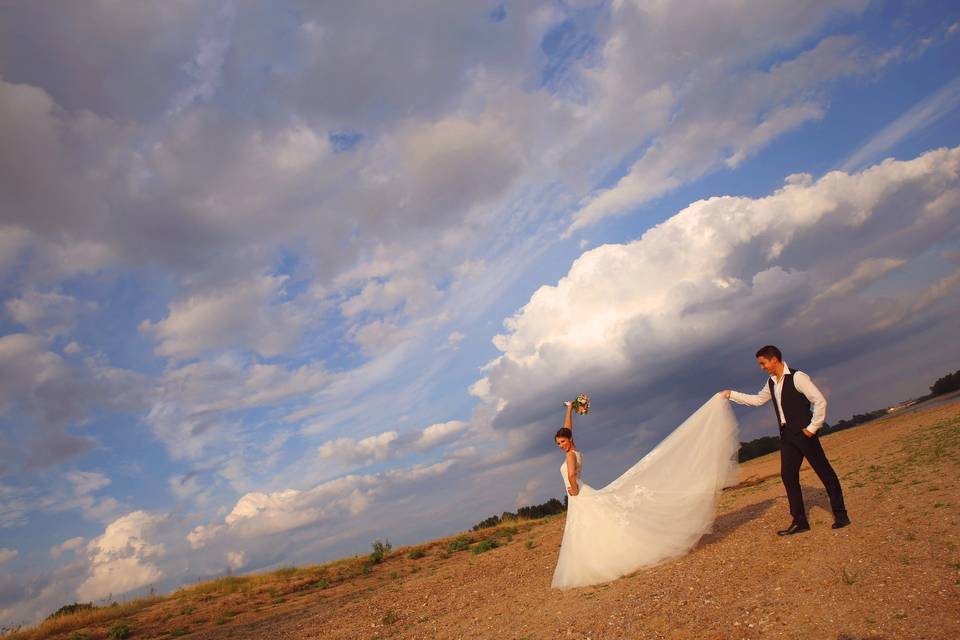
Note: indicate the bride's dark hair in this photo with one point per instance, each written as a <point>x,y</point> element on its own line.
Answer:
<point>563,432</point>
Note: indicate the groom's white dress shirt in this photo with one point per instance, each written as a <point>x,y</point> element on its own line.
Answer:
<point>804,385</point>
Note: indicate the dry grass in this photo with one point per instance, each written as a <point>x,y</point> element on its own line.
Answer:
<point>97,616</point>
<point>217,603</point>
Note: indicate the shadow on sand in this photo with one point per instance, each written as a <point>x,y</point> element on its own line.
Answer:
<point>726,524</point>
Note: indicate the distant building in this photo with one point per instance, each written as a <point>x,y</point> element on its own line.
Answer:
<point>902,405</point>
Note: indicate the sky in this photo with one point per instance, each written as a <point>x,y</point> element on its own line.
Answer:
<point>280,279</point>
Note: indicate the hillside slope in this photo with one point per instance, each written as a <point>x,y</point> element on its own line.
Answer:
<point>895,573</point>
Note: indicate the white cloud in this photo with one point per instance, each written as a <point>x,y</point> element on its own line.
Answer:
<point>725,272</point>
<point>256,516</point>
<point>347,452</point>
<point>440,433</point>
<point>366,450</point>
<point>7,554</point>
<point>122,558</point>
<point>48,313</point>
<point>247,314</point>
<point>525,496</point>
<point>71,545</point>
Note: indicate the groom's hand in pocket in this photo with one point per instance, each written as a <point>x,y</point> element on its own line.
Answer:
<point>808,433</point>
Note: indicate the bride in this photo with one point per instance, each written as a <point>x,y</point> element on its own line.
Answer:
<point>656,510</point>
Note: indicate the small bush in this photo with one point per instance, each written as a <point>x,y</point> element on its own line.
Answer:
<point>530,544</point>
<point>486,545</point>
<point>70,609</point>
<point>119,631</point>
<point>380,551</point>
<point>417,553</point>
<point>460,544</point>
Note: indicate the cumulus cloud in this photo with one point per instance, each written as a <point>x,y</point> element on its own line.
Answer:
<point>123,557</point>
<point>392,444</point>
<point>525,496</point>
<point>257,516</point>
<point>365,450</point>
<point>632,319</point>
<point>7,554</point>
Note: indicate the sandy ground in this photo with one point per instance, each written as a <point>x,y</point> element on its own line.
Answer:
<point>895,573</point>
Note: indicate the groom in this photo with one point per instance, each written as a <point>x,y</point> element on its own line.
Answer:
<point>792,392</point>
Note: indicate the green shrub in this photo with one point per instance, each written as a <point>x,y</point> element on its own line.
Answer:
<point>460,544</point>
<point>380,551</point>
<point>119,631</point>
<point>417,553</point>
<point>486,545</point>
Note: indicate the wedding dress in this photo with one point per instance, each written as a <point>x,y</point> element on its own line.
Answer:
<point>657,509</point>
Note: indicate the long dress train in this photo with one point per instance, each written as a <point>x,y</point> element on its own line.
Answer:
<point>658,509</point>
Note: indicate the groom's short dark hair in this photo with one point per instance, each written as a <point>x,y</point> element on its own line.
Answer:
<point>768,352</point>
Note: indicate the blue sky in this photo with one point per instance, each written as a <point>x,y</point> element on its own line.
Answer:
<point>276,283</point>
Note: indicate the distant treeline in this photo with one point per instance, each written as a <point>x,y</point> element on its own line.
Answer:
<point>769,444</point>
<point>548,508</point>
<point>946,384</point>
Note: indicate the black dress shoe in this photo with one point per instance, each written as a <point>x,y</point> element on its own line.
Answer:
<point>840,522</point>
<point>795,527</point>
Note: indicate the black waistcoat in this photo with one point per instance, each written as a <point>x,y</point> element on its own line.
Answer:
<point>796,407</point>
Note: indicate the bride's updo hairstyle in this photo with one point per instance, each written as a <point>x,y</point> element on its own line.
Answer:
<point>563,432</point>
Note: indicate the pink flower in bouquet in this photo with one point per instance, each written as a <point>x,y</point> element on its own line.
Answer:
<point>581,405</point>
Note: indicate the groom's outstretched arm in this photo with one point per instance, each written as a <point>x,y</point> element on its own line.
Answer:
<point>750,400</point>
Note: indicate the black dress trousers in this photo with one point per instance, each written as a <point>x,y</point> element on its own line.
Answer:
<point>794,447</point>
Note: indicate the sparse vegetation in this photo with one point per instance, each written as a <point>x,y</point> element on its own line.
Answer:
<point>119,631</point>
<point>848,578</point>
<point>70,609</point>
<point>416,554</point>
<point>381,549</point>
<point>390,617</point>
<point>486,545</point>
<point>459,544</point>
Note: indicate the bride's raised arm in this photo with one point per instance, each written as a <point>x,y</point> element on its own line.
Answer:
<point>568,420</point>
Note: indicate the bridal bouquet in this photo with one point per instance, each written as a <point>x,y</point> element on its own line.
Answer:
<point>581,405</point>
